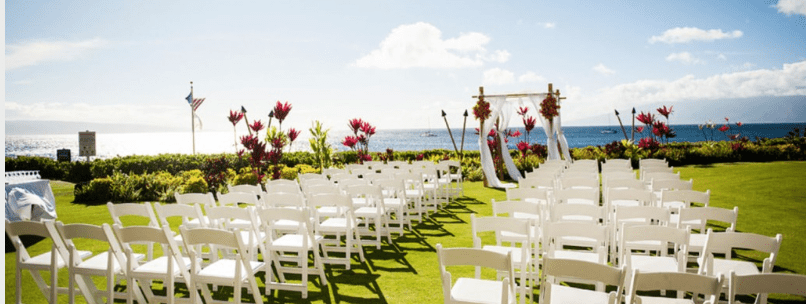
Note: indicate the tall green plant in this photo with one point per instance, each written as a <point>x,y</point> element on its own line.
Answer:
<point>321,149</point>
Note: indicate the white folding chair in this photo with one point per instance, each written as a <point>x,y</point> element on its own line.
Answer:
<point>579,213</point>
<point>370,211</point>
<point>50,261</point>
<point>675,199</point>
<point>522,258</point>
<point>723,243</point>
<point>415,193</point>
<point>226,269</point>
<point>476,290</point>
<point>187,213</point>
<point>138,213</point>
<point>280,241</point>
<point>244,221</point>
<point>765,283</point>
<point>708,286</point>
<point>534,195</point>
<point>394,199</point>
<point>698,217</point>
<point>108,264</point>
<point>633,215</point>
<point>654,238</point>
<point>282,186</point>
<point>578,237</point>
<point>455,175</point>
<point>256,189</point>
<point>341,224</point>
<point>537,182</point>
<point>557,270</point>
<point>236,199</point>
<point>167,268</point>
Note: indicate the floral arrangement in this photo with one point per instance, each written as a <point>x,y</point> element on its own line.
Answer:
<point>550,108</point>
<point>261,159</point>
<point>482,109</point>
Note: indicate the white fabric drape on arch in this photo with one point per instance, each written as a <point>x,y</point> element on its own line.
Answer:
<point>551,142</point>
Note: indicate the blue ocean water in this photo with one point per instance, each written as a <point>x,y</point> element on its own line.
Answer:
<point>122,144</point>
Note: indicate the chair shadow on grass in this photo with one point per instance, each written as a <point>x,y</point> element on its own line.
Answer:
<point>388,254</point>
<point>360,275</point>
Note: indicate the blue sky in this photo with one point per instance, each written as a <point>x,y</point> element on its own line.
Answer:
<point>396,64</point>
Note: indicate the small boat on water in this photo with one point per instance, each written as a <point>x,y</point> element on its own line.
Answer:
<point>428,134</point>
<point>609,131</point>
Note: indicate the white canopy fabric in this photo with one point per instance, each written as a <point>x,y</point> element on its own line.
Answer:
<point>502,108</point>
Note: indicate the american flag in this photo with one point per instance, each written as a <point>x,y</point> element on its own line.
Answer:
<point>194,102</point>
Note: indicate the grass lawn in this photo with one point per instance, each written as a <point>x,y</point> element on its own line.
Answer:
<point>770,197</point>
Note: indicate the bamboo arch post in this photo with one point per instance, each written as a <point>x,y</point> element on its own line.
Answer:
<point>482,137</point>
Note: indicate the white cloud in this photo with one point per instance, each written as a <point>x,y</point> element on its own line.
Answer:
<point>497,76</point>
<point>420,45</point>
<point>791,7</point>
<point>531,77</point>
<point>684,57</point>
<point>500,56</point>
<point>689,34</point>
<point>23,82</point>
<point>37,52</point>
<point>602,69</point>
<point>788,81</point>
<point>722,57</point>
<point>549,25</point>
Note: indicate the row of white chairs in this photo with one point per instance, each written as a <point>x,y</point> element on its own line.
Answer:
<point>631,286</point>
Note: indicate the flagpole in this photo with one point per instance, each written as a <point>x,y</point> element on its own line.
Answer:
<point>192,118</point>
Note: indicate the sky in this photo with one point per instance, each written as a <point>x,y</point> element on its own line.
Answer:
<point>396,64</point>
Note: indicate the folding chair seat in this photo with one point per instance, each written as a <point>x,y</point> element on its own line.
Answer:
<point>108,264</point>
<point>682,282</point>
<point>764,284</point>
<point>522,258</point>
<point>723,243</point>
<point>168,268</point>
<point>368,202</point>
<point>238,271</point>
<point>557,270</point>
<point>281,240</point>
<point>50,261</point>
<point>341,224</point>
<point>137,214</point>
<point>476,289</point>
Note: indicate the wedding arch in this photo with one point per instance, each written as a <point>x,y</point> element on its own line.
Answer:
<point>502,108</point>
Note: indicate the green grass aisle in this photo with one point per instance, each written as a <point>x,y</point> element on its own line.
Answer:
<point>770,197</point>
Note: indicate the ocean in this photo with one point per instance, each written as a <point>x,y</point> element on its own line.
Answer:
<point>110,145</point>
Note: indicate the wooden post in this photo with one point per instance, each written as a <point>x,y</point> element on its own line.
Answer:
<point>482,137</point>
<point>462,148</point>
<point>192,120</point>
<point>444,116</point>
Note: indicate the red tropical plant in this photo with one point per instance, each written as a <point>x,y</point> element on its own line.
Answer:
<point>257,126</point>
<point>739,124</point>
<point>368,129</point>
<point>646,118</point>
<point>523,147</point>
<point>665,112</point>
<point>350,141</point>
<point>355,124</point>
<point>639,129</point>
<point>281,111</point>
<point>648,143</point>
<point>292,134</point>
<point>235,117</point>
<point>724,128</point>
<point>522,110</point>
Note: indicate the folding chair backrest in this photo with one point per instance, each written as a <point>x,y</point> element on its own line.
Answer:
<point>578,213</point>
<point>16,229</point>
<point>203,199</point>
<point>512,207</point>
<point>686,196</point>
<point>207,236</point>
<point>578,182</point>
<point>537,182</point>
<point>498,225</point>
<point>186,212</point>
<point>649,176</point>
<point>565,196</point>
<point>235,198</point>
<point>270,216</point>
<point>766,283</point>
<point>616,181</point>
<point>680,281</point>
<point>255,189</point>
<point>584,270</point>
<point>725,242</point>
<point>659,184</point>
<point>522,194</point>
<point>474,257</point>
<point>555,231</point>
<point>643,197</point>
<point>284,199</point>
<point>139,210</point>
<point>648,214</point>
<point>283,188</point>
